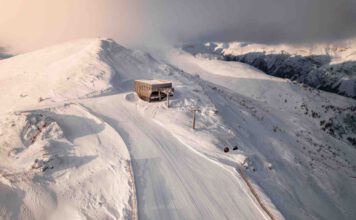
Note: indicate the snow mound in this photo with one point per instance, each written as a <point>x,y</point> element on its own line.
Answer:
<point>70,70</point>
<point>131,97</point>
<point>50,175</point>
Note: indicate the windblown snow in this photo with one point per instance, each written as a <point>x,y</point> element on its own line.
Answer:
<point>77,143</point>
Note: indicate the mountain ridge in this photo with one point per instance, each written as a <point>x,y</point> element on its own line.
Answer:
<point>329,67</point>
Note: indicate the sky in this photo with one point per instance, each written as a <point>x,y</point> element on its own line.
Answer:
<point>30,24</point>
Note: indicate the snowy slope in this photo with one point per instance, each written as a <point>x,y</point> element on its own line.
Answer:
<point>279,124</point>
<point>58,73</point>
<point>61,159</point>
<point>90,149</point>
<point>330,67</point>
<point>63,163</point>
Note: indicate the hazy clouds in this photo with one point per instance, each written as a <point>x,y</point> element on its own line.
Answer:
<point>30,24</point>
<point>256,20</point>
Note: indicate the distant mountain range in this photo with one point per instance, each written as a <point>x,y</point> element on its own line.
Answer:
<point>329,67</point>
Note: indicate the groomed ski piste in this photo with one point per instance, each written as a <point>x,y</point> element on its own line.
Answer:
<point>77,143</point>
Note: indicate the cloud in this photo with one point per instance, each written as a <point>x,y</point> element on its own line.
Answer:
<point>27,25</point>
<point>255,20</point>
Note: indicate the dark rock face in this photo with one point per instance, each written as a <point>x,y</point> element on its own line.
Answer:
<point>315,71</point>
<point>4,54</point>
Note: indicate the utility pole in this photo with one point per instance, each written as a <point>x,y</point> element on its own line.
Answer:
<point>168,93</point>
<point>194,110</point>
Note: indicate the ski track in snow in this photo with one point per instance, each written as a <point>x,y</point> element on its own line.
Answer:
<point>172,182</point>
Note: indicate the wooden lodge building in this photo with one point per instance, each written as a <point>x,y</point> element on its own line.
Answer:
<point>153,90</point>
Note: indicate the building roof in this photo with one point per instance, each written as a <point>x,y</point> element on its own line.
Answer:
<point>154,81</point>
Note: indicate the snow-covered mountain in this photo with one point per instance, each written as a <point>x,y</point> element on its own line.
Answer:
<point>329,67</point>
<point>77,143</point>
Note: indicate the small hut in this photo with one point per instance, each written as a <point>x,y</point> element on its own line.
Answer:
<point>153,90</point>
